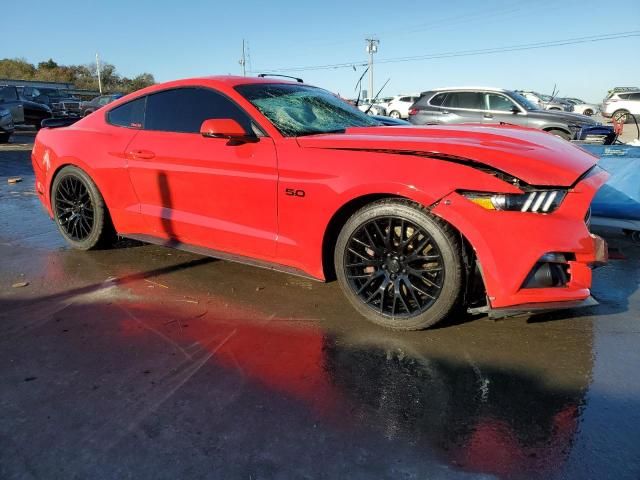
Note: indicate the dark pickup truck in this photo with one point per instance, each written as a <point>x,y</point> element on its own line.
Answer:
<point>61,102</point>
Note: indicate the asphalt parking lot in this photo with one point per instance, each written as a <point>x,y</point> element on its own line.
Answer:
<point>146,362</point>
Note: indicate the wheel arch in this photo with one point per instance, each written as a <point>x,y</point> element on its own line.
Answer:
<point>551,128</point>
<point>340,217</point>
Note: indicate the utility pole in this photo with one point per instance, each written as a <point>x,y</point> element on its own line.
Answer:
<point>372,47</point>
<point>243,61</point>
<point>99,76</point>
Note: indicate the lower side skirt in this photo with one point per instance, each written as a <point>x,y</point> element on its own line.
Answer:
<point>209,252</point>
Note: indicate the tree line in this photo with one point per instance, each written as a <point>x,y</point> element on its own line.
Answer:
<point>82,76</point>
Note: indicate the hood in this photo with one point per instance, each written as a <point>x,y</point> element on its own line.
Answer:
<point>532,156</point>
<point>563,117</point>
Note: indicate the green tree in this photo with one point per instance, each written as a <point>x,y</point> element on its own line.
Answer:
<point>82,76</point>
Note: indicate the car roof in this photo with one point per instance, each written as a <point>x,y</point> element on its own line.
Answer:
<point>216,81</point>
<point>490,89</point>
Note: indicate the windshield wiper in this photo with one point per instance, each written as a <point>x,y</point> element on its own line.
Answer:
<point>324,132</point>
<point>376,97</point>
<point>358,85</point>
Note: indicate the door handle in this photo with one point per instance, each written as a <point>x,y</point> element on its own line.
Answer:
<point>488,115</point>
<point>142,154</point>
<point>444,112</point>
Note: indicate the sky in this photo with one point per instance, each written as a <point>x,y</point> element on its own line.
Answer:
<point>177,39</point>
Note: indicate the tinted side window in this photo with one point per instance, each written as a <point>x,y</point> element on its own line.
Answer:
<point>130,115</point>
<point>184,109</point>
<point>499,102</point>
<point>438,99</point>
<point>471,100</point>
<point>8,94</point>
<point>623,96</point>
<point>634,96</point>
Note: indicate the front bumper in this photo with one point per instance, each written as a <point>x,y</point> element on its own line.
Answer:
<point>508,245</point>
<point>530,308</point>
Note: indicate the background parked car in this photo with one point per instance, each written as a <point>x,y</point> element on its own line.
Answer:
<point>546,102</point>
<point>95,103</point>
<point>23,111</point>
<point>582,107</point>
<point>371,108</point>
<point>399,106</point>
<point>487,105</point>
<point>6,125</point>
<point>621,104</point>
<point>61,102</point>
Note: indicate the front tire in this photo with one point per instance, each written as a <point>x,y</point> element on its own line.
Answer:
<point>395,114</point>
<point>79,210</point>
<point>588,112</point>
<point>398,265</point>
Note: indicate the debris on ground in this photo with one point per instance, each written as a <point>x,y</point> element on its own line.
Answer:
<point>156,283</point>
<point>14,179</point>
<point>20,284</point>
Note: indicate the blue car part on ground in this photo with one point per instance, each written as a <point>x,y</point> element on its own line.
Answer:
<point>617,203</point>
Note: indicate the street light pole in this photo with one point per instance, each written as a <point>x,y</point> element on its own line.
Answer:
<point>372,47</point>
<point>99,76</point>
<point>243,61</point>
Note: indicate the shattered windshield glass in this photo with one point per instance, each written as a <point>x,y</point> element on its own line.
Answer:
<point>297,110</point>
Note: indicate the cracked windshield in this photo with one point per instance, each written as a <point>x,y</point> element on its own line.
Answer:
<point>298,110</point>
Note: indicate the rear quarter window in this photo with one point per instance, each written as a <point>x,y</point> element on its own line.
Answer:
<point>437,100</point>
<point>129,115</point>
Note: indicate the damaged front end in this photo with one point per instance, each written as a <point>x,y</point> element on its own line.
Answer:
<point>534,251</point>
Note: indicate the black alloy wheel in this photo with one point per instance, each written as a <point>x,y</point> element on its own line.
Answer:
<point>79,209</point>
<point>394,266</point>
<point>399,265</point>
<point>75,211</point>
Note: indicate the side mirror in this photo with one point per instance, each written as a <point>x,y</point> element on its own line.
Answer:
<point>515,109</point>
<point>223,128</point>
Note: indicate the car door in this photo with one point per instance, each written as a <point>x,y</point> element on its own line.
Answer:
<point>500,108</point>
<point>462,107</point>
<point>9,99</point>
<point>204,191</point>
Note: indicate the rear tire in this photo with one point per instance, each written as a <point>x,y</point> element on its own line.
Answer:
<point>559,133</point>
<point>398,265</point>
<point>588,112</point>
<point>79,210</point>
<point>395,114</point>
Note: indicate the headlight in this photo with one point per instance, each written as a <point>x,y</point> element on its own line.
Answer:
<point>538,201</point>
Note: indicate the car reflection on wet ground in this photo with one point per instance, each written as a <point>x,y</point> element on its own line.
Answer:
<point>145,362</point>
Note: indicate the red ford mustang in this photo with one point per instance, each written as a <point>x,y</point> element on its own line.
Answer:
<point>413,222</point>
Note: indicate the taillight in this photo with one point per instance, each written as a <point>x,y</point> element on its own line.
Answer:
<point>413,111</point>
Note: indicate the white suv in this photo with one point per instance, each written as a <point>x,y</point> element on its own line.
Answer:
<point>399,106</point>
<point>621,104</point>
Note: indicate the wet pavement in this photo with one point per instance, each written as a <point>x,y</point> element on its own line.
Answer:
<point>145,362</point>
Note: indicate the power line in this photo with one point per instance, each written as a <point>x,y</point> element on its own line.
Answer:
<point>469,53</point>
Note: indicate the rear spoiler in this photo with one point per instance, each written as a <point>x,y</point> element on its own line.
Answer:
<point>58,122</point>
